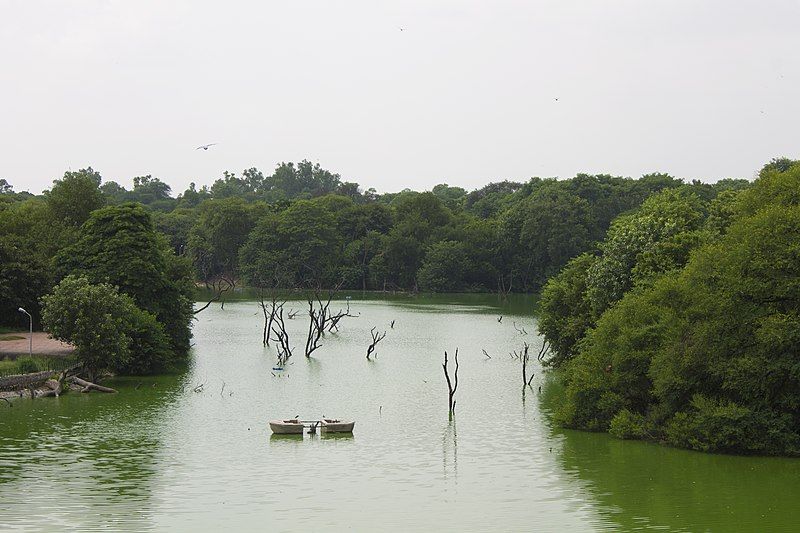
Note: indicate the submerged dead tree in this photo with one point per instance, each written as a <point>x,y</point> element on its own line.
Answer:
<point>321,318</point>
<point>452,385</point>
<point>376,338</point>
<point>524,357</point>
<point>270,309</point>
<point>281,337</point>
<point>219,286</point>
<point>543,351</point>
<point>333,320</point>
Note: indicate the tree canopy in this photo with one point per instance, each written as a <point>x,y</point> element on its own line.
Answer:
<point>700,348</point>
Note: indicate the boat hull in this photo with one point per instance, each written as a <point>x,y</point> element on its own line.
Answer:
<point>286,427</point>
<point>338,426</point>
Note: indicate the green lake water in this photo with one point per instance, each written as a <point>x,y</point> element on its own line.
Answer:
<point>159,456</point>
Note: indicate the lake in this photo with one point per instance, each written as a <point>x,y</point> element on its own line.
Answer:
<point>160,456</point>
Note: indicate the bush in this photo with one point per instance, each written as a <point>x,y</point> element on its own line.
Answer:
<point>627,425</point>
<point>27,365</point>
<point>108,330</point>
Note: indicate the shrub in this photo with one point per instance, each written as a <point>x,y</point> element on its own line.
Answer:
<point>628,425</point>
<point>27,365</point>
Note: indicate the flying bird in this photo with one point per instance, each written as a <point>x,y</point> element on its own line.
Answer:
<point>401,29</point>
<point>205,146</point>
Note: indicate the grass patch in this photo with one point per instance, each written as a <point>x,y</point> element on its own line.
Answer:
<point>11,337</point>
<point>37,363</point>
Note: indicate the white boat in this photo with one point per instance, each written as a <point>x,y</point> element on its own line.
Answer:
<point>334,425</point>
<point>292,426</point>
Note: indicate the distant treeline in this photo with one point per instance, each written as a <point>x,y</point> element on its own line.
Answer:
<point>683,325</point>
<point>303,224</point>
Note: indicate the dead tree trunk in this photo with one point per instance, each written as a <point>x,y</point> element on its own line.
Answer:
<point>89,386</point>
<point>376,338</point>
<point>281,336</point>
<point>320,317</point>
<point>333,320</point>
<point>524,357</point>
<point>269,314</point>
<point>543,351</point>
<point>452,386</point>
<point>220,286</point>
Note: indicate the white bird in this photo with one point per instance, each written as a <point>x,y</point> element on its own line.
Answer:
<point>205,146</point>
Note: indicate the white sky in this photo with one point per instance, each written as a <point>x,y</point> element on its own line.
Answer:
<point>465,95</point>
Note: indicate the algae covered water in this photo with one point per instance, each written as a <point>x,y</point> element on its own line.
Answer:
<point>193,451</point>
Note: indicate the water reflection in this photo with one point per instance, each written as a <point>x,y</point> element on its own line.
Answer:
<point>639,485</point>
<point>285,439</point>
<point>450,448</point>
<point>101,451</point>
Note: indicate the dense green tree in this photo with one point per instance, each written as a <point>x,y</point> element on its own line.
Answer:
<point>565,314</point>
<point>75,196</point>
<point>301,241</point>
<point>24,277</point>
<point>222,226</point>
<point>152,192</point>
<point>656,232</point>
<point>107,329</point>
<point>705,357</point>
<point>92,318</point>
<point>114,193</point>
<point>119,245</point>
<point>446,267</point>
<point>5,187</point>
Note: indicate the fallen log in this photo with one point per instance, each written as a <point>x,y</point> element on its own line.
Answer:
<point>88,386</point>
<point>23,381</point>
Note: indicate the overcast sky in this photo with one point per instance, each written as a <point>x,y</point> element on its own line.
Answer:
<point>469,92</point>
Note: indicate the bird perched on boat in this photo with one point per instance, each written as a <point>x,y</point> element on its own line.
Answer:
<point>205,146</point>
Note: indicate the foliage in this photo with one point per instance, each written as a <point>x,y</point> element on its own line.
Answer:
<point>75,196</point>
<point>119,245</point>
<point>564,310</point>
<point>108,330</point>
<point>93,319</point>
<point>705,356</point>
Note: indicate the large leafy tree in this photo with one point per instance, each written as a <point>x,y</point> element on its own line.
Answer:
<point>221,228</point>
<point>119,245</point>
<point>706,356</point>
<point>654,239</point>
<point>106,327</point>
<point>301,242</point>
<point>91,317</point>
<point>75,196</point>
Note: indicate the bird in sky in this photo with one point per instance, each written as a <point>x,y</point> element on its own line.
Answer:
<point>205,146</point>
<point>556,99</point>
<point>401,29</point>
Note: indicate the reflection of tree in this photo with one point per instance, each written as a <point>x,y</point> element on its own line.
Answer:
<point>86,457</point>
<point>639,485</point>
<point>450,434</point>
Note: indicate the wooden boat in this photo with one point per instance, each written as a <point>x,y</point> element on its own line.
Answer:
<point>334,425</point>
<point>292,426</point>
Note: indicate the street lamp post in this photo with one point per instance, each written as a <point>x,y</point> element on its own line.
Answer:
<point>30,338</point>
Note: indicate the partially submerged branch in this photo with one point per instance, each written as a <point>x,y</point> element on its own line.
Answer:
<point>524,357</point>
<point>89,386</point>
<point>220,286</point>
<point>452,386</point>
<point>376,338</point>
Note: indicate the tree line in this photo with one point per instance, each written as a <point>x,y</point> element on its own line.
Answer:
<point>681,325</point>
<point>300,226</point>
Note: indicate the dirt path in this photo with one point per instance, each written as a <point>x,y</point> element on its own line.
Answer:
<point>42,345</point>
